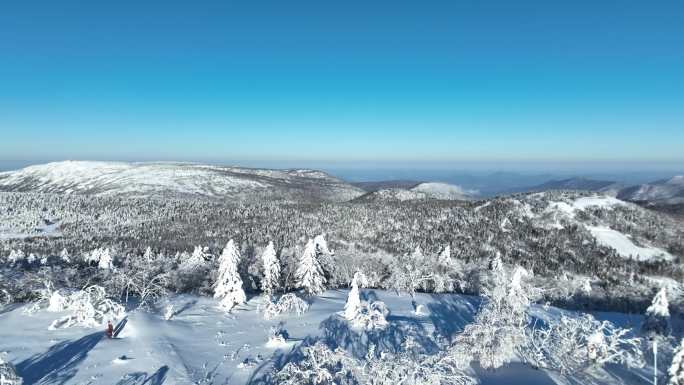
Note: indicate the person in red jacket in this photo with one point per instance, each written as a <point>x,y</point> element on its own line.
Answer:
<point>110,330</point>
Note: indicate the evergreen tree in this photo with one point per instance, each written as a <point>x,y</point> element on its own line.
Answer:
<point>309,273</point>
<point>351,308</point>
<point>657,320</point>
<point>64,256</point>
<point>444,258</point>
<point>228,286</point>
<point>271,281</point>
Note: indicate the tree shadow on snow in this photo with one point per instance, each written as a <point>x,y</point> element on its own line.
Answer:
<point>338,333</point>
<point>141,378</point>
<point>449,315</point>
<point>59,363</point>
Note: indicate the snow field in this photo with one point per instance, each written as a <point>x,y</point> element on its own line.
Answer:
<point>202,344</point>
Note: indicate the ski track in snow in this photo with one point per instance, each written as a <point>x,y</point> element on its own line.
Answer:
<point>200,342</point>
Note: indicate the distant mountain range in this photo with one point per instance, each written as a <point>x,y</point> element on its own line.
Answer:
<point>297,185</point>
<point>386,184</point>
<point>178,180</point>
<point>577,183</point>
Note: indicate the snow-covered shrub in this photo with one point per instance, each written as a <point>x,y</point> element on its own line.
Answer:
<point>15,256</point>
<point>8,374</point>
<point>59,301</point>
<point>309,272</point>
<point>319,365</point>
<point>370,315</point>
<point>101,257</point>
<point>276,337</point>
<point>572,344</point>
<point>196,260</point>
<point>89,307</point>
<point>676,370</point>
<point>287,303</point>
<point>657,317</point>
<point>407,368</point>
<point>64,256</point>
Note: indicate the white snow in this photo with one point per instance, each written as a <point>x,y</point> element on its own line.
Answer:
<point>624,245</point>
<point>203,342</point>
<point>445,191</point>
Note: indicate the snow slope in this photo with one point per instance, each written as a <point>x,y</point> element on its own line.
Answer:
<point>559,212</point>
<point>202,345</point>
<point>624,245</point>
<point>177,179</point>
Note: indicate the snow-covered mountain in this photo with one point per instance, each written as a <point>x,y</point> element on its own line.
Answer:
<point>445,191</point>
<point>669,191</point>
<point>178,180</point>
<point>579,183</point>
<point>430,190</point>
<point>385,184</point>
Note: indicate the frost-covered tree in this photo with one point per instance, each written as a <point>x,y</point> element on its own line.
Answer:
<point>676,370</point>
<point>444,258</point>
<point>64,256</point>
<point>324,256</point>
<point>309,273</point>
<point>197,259</point>
<point>572,344</point>
<point>89,307</point>
<point>351,307</point>
<point>106,261</point>
<point>15,257</point>
<point>499,327</point>
<point>228,286</point>
<point>287,303</point>
<point>657,317</point>
<point>8,374</point>
<point>271,281</point>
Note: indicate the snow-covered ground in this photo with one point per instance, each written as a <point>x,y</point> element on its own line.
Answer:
<point>624,245</point>
<point>201,344</point>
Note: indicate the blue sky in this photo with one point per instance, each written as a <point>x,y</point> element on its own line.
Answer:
<point>442,82</point>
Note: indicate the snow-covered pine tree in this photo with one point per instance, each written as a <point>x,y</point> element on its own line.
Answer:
<point>196,260</point>
<point>106,261</point>
<point>676,370</point>
<point>64,256</point>
<point>148,256</point>
<point>271,281</point>
<point>15,256</point>
<point>228,286</point>
<point>657,321</point>
<point>351,308</point>
<point>309,273</point>
<point>444,258</point>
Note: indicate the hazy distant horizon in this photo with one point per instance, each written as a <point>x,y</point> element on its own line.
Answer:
<point>487,177</point>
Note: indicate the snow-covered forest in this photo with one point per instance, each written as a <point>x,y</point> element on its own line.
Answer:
<point>555,287</point>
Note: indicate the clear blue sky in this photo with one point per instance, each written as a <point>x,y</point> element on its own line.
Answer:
<point>339,81</point>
